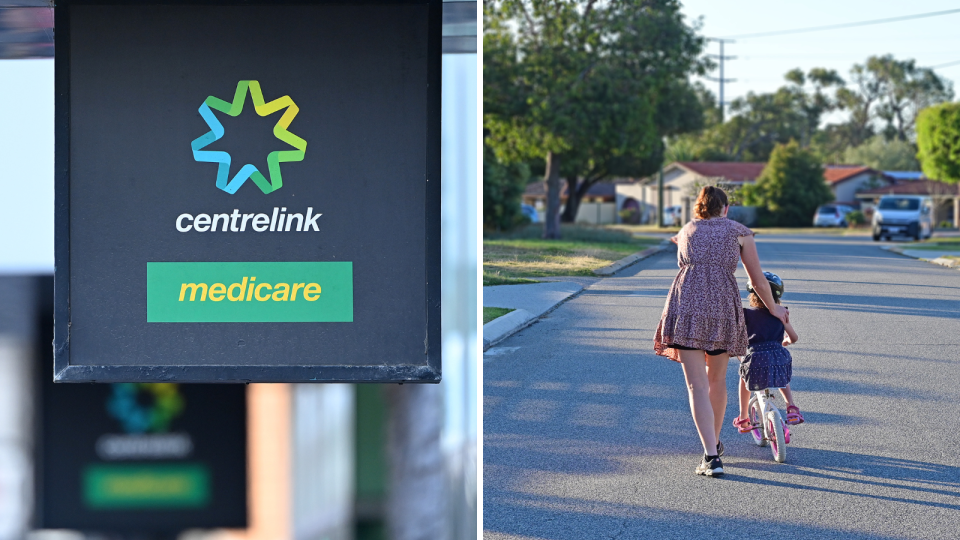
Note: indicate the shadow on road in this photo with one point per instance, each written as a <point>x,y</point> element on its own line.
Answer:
<point>858,470</point>
<point>554,518</point>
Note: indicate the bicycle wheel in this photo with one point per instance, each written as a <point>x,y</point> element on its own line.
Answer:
<point>778,444</point>
<point>757,419</point>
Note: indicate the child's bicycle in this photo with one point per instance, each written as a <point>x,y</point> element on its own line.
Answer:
<point>770,424</point>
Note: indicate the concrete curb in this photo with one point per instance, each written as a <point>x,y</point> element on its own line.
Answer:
<point>612,269</point>
<point>500,328</point>
<point>503,327</point>
<point>949,263</point>
<point>942,261</point>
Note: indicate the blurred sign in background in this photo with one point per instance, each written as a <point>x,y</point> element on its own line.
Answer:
<point>324,461</point>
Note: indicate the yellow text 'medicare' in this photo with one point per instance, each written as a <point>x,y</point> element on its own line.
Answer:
<point>249,291</point>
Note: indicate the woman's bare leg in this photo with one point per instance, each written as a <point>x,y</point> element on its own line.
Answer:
<point>698,390</point>
<point>717,378</point>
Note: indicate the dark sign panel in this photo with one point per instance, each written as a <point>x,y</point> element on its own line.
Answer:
<point>248,192</point>
<point>141,457</point>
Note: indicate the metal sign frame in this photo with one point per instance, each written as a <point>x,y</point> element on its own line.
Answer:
<point>65,371</point>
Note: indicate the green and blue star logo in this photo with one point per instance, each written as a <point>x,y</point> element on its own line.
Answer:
<point>145,407</point>
<point>274,159</point>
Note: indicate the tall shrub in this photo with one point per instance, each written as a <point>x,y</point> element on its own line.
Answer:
<point>790,188</point>
<point>938,140</point>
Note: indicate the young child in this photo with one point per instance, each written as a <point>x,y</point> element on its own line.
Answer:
<point>767,363</point>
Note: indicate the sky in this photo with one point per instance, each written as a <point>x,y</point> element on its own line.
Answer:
<point>26,167</point>
<point>761,62</point>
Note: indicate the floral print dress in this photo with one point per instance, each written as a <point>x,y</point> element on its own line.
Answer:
<point>703,308</point>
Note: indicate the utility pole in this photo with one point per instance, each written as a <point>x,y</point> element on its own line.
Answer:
<point>721,80</point>
<point>660,223</point>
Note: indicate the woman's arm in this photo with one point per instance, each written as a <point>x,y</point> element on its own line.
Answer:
<point>792,336</point>
<point>751,262</point>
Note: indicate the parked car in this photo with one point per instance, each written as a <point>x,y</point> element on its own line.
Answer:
<point>672,215</point>
<point>530,212</point>
<point>907,215</point>
<point>831,215</point>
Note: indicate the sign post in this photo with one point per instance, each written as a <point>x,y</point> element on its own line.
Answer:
<point>247,192</point>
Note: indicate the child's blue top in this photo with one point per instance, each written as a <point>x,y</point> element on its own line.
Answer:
<point>767,364</point>
<point>762,326</point>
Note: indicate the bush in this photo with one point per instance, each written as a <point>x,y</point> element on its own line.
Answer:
<point>503,187</point>
<point>856,218</point>
<point>789,189</point>
<point>938,141</point>
<point>946,224</point>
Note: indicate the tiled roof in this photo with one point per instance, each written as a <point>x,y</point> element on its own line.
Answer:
<point>902,176</point>
<point>916,187</point>
<point>732,171</point>
<point>834,174</point>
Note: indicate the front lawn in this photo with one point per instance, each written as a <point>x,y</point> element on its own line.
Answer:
<point>491,313</point>
<point>582,250</point>
<point>494,278</point>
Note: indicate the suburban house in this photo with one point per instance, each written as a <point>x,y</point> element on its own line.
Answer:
<point>596,207</point>
<point>846,180</point>
<point>680,179</point>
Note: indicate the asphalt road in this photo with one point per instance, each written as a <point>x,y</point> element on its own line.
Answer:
<point>588,434</point>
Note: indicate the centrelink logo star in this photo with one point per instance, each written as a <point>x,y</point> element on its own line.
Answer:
<point>274,159</point>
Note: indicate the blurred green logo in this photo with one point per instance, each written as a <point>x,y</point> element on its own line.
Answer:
<point>145,407</point>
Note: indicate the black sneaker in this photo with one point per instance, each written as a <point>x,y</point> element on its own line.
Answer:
<point>713,467</point>
<point>719,448</point>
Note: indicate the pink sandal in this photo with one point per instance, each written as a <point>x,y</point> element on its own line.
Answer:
<point>793,415</point>
<point>744,425</point>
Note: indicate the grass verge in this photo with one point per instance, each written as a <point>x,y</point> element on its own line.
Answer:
<point>491,313</point>
<point>582,250</point>
<point>494,278</point>
<point>932,247</point>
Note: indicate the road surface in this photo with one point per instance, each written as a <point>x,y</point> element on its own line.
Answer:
<point>588,434</point>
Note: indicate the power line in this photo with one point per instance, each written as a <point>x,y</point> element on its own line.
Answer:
<point>846,25</point>
<point>938,66</point>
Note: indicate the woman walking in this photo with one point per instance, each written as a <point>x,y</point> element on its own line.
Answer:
<point>702,323</point>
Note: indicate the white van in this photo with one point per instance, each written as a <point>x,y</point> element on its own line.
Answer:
<point>906,215</point>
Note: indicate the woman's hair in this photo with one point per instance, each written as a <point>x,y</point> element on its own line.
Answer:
<point>755,300</point>
<point>710,202</point>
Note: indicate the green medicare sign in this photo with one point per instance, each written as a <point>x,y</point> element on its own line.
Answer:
<point>250,292</point>
<point>247,208</point>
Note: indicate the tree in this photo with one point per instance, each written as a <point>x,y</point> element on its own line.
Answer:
<point>812,105</point>
<point>905,90</point>
<point>884,155</point>
<point>503,187</point>
<point>887,96</point>
<point>790,188</point>
<point>589,87</point>
<point>758,123</point>
<point>883,96</point>
<point>938,139</point>
<point>678,110</point>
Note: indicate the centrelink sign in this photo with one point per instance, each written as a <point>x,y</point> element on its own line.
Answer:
<point>197,237</point>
